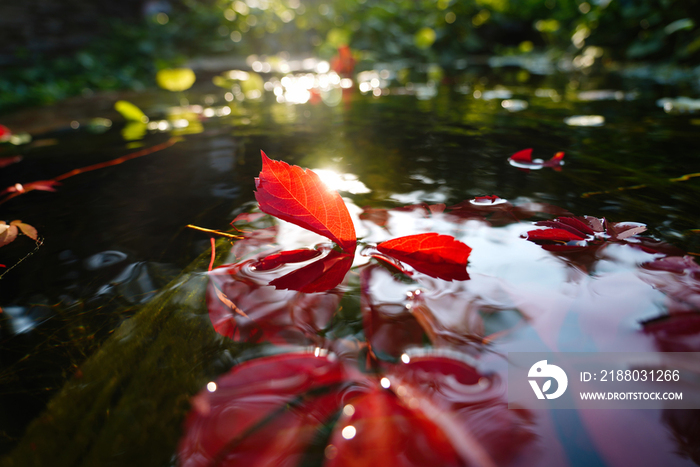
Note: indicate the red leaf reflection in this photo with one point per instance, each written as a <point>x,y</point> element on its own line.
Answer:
<point>432,410</point>
<point>321,275</point>
<point>300,197</point>
<point>280,316</point>
<point>382,431</point>
<point>264,412</point>
<point>284,257</point>
<point>436,255</point>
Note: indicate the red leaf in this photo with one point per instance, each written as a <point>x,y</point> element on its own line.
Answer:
<point>553,235</point>
<point>284,257</point>
<point>524,156</point>
<point>7,233</point>
<point>623,230</point>
<point>300,197</point>
<point>573,225</point>
<point>436,255</point>
<point>319,276</point>
<point>26,229</point>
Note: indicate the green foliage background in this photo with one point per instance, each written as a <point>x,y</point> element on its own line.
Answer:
<point>127,55</point>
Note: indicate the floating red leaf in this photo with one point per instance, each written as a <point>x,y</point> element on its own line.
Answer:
<point>433,254</point>
<point>300,197</point>
<point>523,160</point>
<point>284,257</point>
<point>321,275</point>
<point>553,235</point>
<point>524,156</point>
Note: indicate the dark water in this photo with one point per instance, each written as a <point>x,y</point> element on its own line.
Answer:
<point>115,236</point>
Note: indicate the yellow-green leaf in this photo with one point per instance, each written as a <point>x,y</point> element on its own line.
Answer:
<point>176,79</point>
<point>130,112</point>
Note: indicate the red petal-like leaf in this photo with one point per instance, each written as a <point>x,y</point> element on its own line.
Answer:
<point>7,233</point>
<point>436,255</point>
<point>319,276</point>
<point>264,412</point>
<point>26,229</point>
<point>553,235</point>
<point>284,257</point>
<point>623,230</point>
<point>524,156</point>
<point>300,197</point>
<point>573,225</point>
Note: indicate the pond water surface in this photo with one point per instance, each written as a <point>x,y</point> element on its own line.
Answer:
<point>102,354</point>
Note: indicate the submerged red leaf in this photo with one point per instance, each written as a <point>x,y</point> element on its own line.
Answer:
<point>300,197</point>
<point>321,275</point>
<point>433,254</point>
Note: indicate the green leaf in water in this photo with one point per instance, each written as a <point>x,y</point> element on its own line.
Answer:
<point>130,112</point>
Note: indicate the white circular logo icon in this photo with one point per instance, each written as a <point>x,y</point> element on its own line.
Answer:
<point>542,370</point>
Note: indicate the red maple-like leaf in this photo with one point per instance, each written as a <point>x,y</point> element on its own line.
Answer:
<point>433,254</point>
<point>300,197</point>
